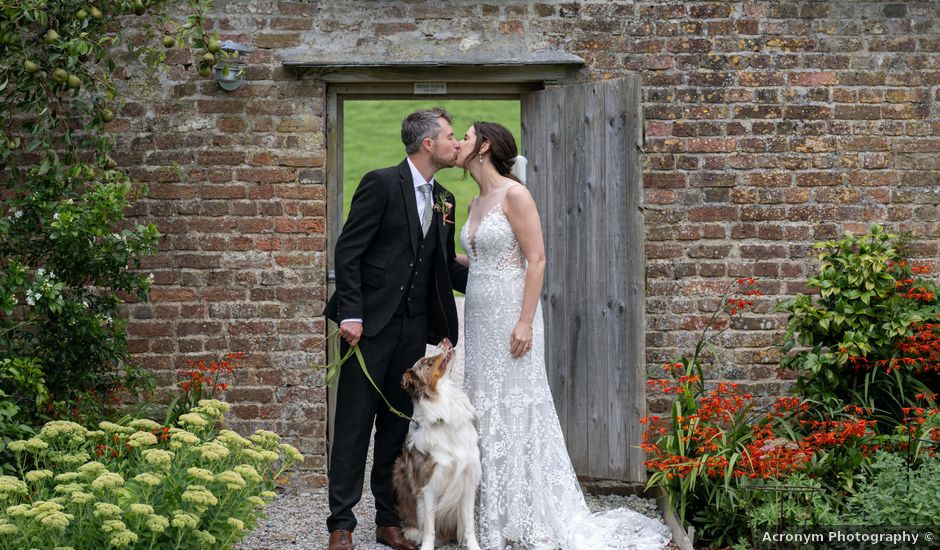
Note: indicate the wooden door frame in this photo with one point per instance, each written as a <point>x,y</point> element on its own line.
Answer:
<point>381,86</point>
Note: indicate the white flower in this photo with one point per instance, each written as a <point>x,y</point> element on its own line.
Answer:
<point>69,488</point>
<point>79,497</point>
<point>55,216</point>
<point>206,538</point>
<point>63,428</point>
<point>35,444</point>
<point>214,405</point>
<point>212,451</point>
<point>236,524</point>
<point>157,523</point>
<point>290,452</point>
<point>120,539</point>
<point>141,439</point>
<point>145,424</point>
<point>158,457</point>
<point>68,477</point>
<point>148,479</point>
<point>199,495</point>
<point>38,475</point>
<point>266,439</point>
<point>182,438</point>
<point>107,510</point>
<point>112,524</point>
<point>232,480</point>
<point>142,509</point>
<point>91,470</point>
<point>107,481</point>
<point>111,427</point>
<point>183,520</point>
<point>248,473</point>
<point>10,485</point>
<point>40,272</point>
<point>194,419</point>
<point>200,474</point>
<point>231,439</point>
<point>17,214</point>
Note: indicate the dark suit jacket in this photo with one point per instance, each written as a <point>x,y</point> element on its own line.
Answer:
<point>376,251</point>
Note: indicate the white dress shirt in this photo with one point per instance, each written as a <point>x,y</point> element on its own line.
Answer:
<point>418,180</point>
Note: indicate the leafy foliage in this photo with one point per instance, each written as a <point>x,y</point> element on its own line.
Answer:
<point>845,344</point>
<point>68,257</point>
<point>140,484</point>
<point>894,492</point>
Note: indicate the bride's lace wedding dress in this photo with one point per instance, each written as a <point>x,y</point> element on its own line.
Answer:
<point>529,496</point>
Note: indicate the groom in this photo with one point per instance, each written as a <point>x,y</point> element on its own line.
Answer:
<point>395,275</point>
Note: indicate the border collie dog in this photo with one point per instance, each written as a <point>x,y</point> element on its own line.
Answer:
<point>437,475</point>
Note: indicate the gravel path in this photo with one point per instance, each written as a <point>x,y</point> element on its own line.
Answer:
<point>295,522</point>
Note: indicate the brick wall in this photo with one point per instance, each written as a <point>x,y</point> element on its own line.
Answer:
<point>770,125</point>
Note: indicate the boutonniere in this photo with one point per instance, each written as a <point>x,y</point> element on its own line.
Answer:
<point>444,208</point>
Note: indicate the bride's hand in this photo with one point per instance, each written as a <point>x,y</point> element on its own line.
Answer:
<point>462,260</point>
<point>521,340</point>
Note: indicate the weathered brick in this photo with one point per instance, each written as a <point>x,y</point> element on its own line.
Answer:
<point>768,125</point>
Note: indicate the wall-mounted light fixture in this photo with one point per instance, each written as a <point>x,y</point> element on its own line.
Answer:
<point>230,71</point>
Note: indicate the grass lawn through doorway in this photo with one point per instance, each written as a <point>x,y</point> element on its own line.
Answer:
<point>372,139</point>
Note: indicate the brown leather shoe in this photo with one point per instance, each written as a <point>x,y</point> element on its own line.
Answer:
<point>392,536</point>
<point>341,540</point>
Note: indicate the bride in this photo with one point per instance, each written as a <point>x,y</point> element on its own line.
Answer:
<point>529,495</point>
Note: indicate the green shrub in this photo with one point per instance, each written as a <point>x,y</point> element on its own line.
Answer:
<point>67,253</point>
<point>140,485</point>
<point>895,492</point>
<point>846,344</point>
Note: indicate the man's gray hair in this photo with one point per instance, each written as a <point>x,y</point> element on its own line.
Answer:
<point>419,125</point>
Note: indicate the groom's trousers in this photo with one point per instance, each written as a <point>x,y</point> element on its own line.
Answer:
<point>387,355</point>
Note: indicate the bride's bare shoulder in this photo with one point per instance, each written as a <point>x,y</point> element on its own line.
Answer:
<point>516,194</point>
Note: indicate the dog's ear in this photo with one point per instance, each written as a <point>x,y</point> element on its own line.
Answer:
<point>411,383</point>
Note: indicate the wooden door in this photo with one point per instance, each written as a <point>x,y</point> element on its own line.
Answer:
<point>583,146</point>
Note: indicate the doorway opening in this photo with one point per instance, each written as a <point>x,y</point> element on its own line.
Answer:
<point>583,143</point>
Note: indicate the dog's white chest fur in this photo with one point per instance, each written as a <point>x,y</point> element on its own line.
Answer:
<point>443,427</point>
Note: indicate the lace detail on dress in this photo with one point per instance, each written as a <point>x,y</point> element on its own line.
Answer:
<point>500,254</point>
<point>529,496</point>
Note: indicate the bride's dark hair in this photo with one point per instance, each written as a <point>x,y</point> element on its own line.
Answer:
<point>502,147</point>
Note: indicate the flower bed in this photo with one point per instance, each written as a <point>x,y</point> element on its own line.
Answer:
<point>140,485</point>
<point>860,431</point>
